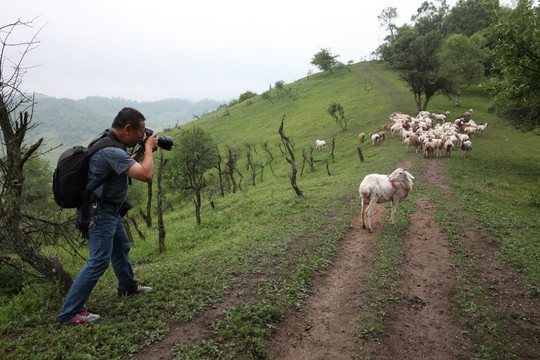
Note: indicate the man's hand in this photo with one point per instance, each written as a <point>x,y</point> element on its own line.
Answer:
<point>150,144</point>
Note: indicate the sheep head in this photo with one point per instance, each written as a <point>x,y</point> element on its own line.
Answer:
<point>401,175</point>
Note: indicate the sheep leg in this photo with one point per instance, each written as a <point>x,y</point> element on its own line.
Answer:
<point>372,203</point>
<point>393,212</point>
<point>362,212</point>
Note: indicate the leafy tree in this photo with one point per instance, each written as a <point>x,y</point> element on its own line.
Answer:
<point>387,19</point>
<point>280,86</point>
<point>517,57</point>
<point>468,17</point>
<point>430,17</point>
<point>247,95</point>
<point>462,60</point>
<point>338,113</point>
<point>414,53</point>
<point>192,155</point>
<point>324,60</point>
<point>415,58</point>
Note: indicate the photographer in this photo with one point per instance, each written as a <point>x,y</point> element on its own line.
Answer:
<point>107,240</point>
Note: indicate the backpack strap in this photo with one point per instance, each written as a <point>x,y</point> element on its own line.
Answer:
<point>88,196</point>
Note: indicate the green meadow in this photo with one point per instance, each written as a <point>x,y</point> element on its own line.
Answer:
<point>262,245</point>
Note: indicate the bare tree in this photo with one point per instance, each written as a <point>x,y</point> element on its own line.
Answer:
<point>22,233</point>
<point>291,160</point>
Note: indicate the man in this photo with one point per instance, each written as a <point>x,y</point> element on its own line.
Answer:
<point>107,240</point>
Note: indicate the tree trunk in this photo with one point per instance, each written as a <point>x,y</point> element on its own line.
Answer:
<point>457,97</point>
<point>149,206</point>
<point>197,202</point>
<point>291,160</point>
<point>161,224</point>
<point>134,221</point>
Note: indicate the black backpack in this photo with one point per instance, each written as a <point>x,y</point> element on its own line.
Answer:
<point>69,178</point>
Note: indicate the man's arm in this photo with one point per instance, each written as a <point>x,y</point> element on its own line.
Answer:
<point>144,171</point>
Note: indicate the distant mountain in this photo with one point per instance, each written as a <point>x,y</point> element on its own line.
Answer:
<point>64,122</point>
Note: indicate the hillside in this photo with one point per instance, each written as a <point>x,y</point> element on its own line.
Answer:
<point>269,274</point>
<point>66,122</point>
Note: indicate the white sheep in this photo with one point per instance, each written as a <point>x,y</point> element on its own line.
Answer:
<point>481,128</point>
<point>429,148</point>
<point>466,146</point>
<point>449,146</point>
<point>361,137</point>
<point>321,144</point>
<point>375,139</point>
<point>377,189</point>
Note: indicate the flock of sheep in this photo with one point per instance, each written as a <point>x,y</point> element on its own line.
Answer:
<point>429,134</point>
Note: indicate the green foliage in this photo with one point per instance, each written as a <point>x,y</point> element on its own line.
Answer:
<point>515,40</point>
<point>193,154</point>
<point>245,96</point>
<point>387,18</point>
<point>430,17</point>
<point>462,59</point>
<point>324,60</point>
<point>469,17</point>
<point>336,110</point>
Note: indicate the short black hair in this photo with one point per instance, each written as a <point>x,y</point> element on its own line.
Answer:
<point>128,116</point>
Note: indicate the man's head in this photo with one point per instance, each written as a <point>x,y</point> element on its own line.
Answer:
<point>129,126</point>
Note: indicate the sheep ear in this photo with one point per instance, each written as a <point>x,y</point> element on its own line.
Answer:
<point>409,174</point>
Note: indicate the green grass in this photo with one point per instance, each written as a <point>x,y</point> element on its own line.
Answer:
<point>263,245</point>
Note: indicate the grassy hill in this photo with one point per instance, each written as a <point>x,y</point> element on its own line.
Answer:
<point>260,247</point>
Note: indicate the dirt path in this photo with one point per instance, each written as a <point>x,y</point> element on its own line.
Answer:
<point>418,326</point>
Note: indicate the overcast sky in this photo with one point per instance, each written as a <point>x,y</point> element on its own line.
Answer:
<point>197,49</point>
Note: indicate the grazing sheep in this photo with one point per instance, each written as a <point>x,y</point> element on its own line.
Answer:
<point>462,138</point>
<point>377,189</point>
<point>470,130</point>
<point>361,137</point>
<point>382,135</point>
<point>429,148</point>
<point>375,139</point>
<point>467,115</point>
<point>466,146</point>
<point>449,146</point>
<point>414,141</point>
<point>397,127</point>
<point>321,144</point>
<point>481,128</point>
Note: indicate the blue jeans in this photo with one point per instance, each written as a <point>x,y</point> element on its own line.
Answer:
<point>107,243</point>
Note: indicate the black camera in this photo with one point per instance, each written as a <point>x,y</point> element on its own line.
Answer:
<point>164,142</point>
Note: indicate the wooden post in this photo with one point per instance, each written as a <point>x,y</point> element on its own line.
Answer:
<point>360,154</point>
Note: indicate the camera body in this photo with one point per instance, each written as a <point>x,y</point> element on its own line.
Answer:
<point>164,142</point>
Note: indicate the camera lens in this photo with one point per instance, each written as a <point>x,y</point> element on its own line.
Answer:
<point>165,142</point>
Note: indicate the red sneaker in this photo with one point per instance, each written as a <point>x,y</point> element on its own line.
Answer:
<point>83,317</point>
<point>142,289</point>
